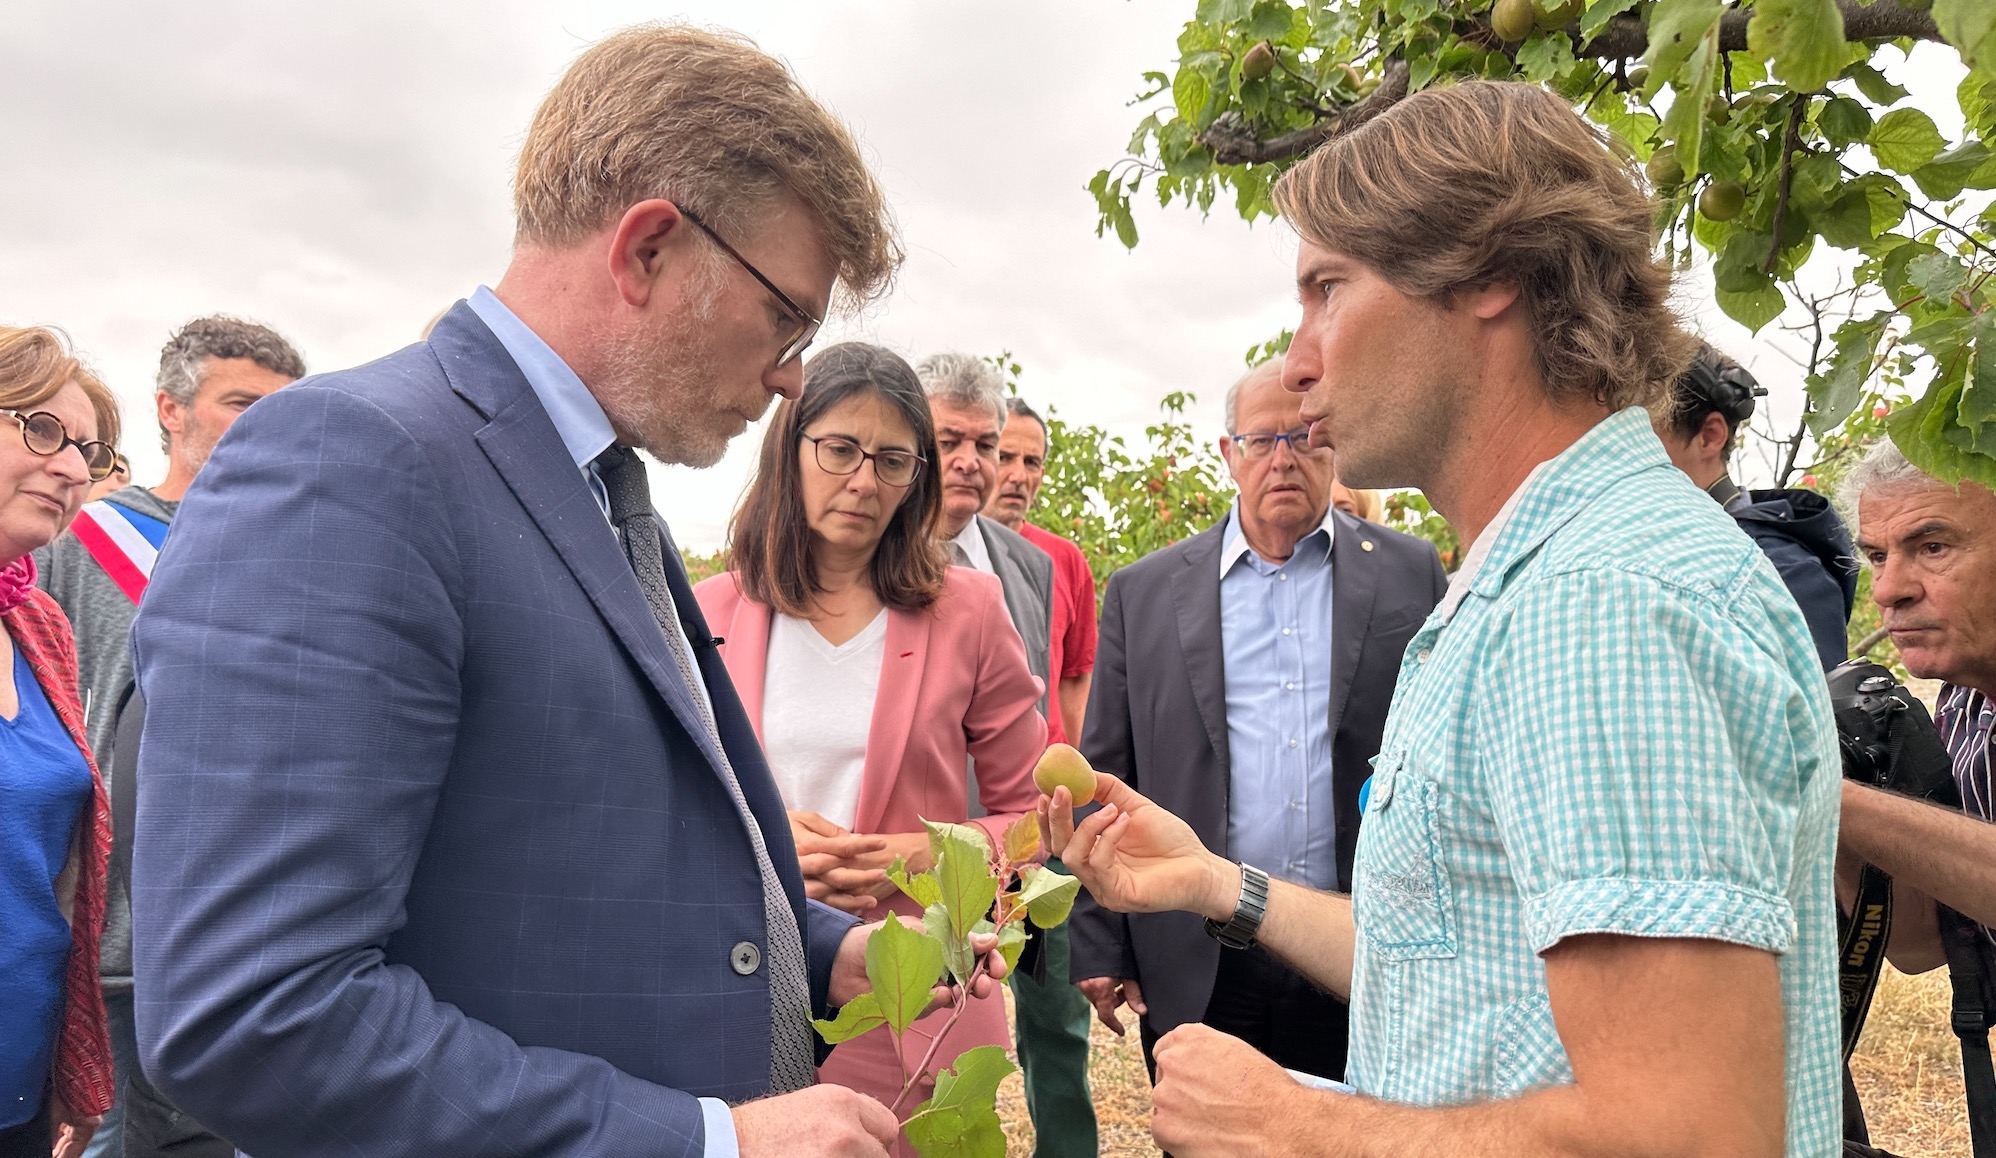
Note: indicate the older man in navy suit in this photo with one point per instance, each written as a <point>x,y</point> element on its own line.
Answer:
<point>452,836</point>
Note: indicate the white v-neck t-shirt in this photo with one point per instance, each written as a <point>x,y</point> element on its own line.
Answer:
<point>817,707</point>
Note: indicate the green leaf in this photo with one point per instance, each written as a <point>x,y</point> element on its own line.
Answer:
<point>1048,895</point>
<point>957,957</point>
<point>1838,391</point>
<point>1845,222</point>
<point>1190,93</point>
<point>1844,121</point>
<point>1905,139</point>
<point>1270,21</point>
<point>1598,15</point>
<point>1676,29</point>
<point>968,833</point>
<point>1936,275</point>
<point>1978,395</point>
<point>1545,56</point>
<point>1970,25</point>
<point>920,888</point>
<point>1012,942</point>
<point>860,1015</point>
<point>963,869</point>
<point>1754,308</point>
<point>903,965</point>
<point>1685,122</point>
<point>1947,175</point>
<point>1803,40</point>
<point>1872,83</point>
<point>973,1078</point>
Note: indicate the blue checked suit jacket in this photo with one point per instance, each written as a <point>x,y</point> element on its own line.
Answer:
<point>433,856</point>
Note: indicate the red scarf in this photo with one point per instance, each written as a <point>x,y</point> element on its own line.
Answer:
<point>83,1044</point>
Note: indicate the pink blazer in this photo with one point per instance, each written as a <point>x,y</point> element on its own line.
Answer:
<point>953,684</point>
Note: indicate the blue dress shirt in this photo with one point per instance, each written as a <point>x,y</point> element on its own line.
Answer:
<point>1275,635</point>
<point>585,430</point>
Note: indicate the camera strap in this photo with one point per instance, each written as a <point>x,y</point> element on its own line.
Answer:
<point>1968,970</point>
<point>1861,957</point>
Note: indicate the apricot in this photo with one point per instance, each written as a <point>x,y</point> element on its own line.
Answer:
<point>1063,767</point>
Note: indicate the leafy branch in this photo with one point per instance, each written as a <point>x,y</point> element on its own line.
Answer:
<point>972,891</point>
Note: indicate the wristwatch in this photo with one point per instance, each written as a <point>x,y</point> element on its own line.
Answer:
<point>1239,932</point>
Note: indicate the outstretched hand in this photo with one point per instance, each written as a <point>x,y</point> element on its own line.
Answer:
<point>1135,857</point>
<point>849,969</point>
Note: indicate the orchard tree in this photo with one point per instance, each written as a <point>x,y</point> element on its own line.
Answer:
<point>1767,128</point>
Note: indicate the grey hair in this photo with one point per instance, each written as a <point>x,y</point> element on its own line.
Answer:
<point>183,361</point>
<point>963,381</point>
<point>1233,399</point>
<point>1883,468</point>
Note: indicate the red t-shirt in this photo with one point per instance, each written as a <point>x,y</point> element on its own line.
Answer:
<point>1071,649</point>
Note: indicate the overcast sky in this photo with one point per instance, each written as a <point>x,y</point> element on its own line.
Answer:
<point>341,172</point>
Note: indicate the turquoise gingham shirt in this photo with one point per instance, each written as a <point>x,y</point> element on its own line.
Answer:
<point>1615,724</point>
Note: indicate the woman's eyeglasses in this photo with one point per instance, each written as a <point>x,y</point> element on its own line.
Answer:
<point>842,456</point>
<point>45,435</point>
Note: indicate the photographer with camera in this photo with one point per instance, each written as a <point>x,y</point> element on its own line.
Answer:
<point>1923,818</point>
<point>1699,423</point>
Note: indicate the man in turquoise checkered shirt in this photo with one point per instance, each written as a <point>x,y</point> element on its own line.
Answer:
<point>1593,909</point>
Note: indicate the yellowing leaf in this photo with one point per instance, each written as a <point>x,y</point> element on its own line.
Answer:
<point>1022,839</point>
<point>920,888</point>
<point>1012,936</point>
<point>1905,139</point>
<point>1970,25</point>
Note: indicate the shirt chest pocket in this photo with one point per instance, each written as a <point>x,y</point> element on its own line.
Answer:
<point>1402,899</point>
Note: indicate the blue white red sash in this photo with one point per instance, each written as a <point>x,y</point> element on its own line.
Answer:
<point>114,538</point>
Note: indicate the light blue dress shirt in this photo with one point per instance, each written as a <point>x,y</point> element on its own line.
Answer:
<point>585,430</point>
<point>1275,634</point>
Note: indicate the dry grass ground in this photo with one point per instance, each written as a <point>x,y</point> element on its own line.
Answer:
<point>1907,1068</point>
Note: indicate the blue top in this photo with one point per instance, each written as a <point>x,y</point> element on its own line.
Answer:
<point>1615,723</point>
<point>1275,632</point>
<point>44,791</point>
<point>586,431</point>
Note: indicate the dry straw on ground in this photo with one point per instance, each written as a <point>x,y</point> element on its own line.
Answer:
<point>1908,1071</point>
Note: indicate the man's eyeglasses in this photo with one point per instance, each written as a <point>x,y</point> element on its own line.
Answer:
<point>805,323</point>
<point>1261,444</point>
<point>842,456</point>
<point>45,435</point>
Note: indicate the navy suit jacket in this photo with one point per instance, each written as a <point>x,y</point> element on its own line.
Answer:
<point>434,856</point>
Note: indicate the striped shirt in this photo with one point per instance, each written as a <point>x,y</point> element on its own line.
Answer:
<point>1615,724</point>
<point>1965,718</point>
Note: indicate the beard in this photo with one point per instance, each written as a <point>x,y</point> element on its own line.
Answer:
<point>657,386</point>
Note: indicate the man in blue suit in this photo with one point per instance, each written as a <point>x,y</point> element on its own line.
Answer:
<point>452,837</point>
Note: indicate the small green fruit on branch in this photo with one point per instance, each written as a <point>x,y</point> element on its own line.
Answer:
<point>1259,61</point>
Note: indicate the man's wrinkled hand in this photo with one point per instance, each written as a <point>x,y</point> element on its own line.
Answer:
<point>1216,1096</point>
<point>818,1122</point>
<point>1135,857</point>
<point>849,969</point>
<point>1107,994</point>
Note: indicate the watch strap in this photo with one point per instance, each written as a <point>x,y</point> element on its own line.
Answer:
<point>1239,932</point>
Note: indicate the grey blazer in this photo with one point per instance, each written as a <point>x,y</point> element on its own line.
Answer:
<point>1027,573</point>
<point>1157,716</point>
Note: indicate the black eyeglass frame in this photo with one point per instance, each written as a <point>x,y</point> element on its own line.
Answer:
<point>1298,440</point>
<point>818,441</point>
<point>110,460</point>
<point>810,322</point>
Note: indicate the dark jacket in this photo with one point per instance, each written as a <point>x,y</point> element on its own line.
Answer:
<point>434,853</point>
<point>1157,716</point>
<point>1801,534</point>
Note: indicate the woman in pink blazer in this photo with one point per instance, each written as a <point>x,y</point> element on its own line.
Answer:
<point>871,670</point>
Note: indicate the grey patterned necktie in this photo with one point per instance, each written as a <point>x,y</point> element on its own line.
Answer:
<point>791,1054</point>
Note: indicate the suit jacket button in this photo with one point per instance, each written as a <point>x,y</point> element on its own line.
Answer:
<point>744,958</point>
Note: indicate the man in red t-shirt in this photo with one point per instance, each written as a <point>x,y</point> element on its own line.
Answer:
<point>1052,1016</point>
<point>1022,455</point>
